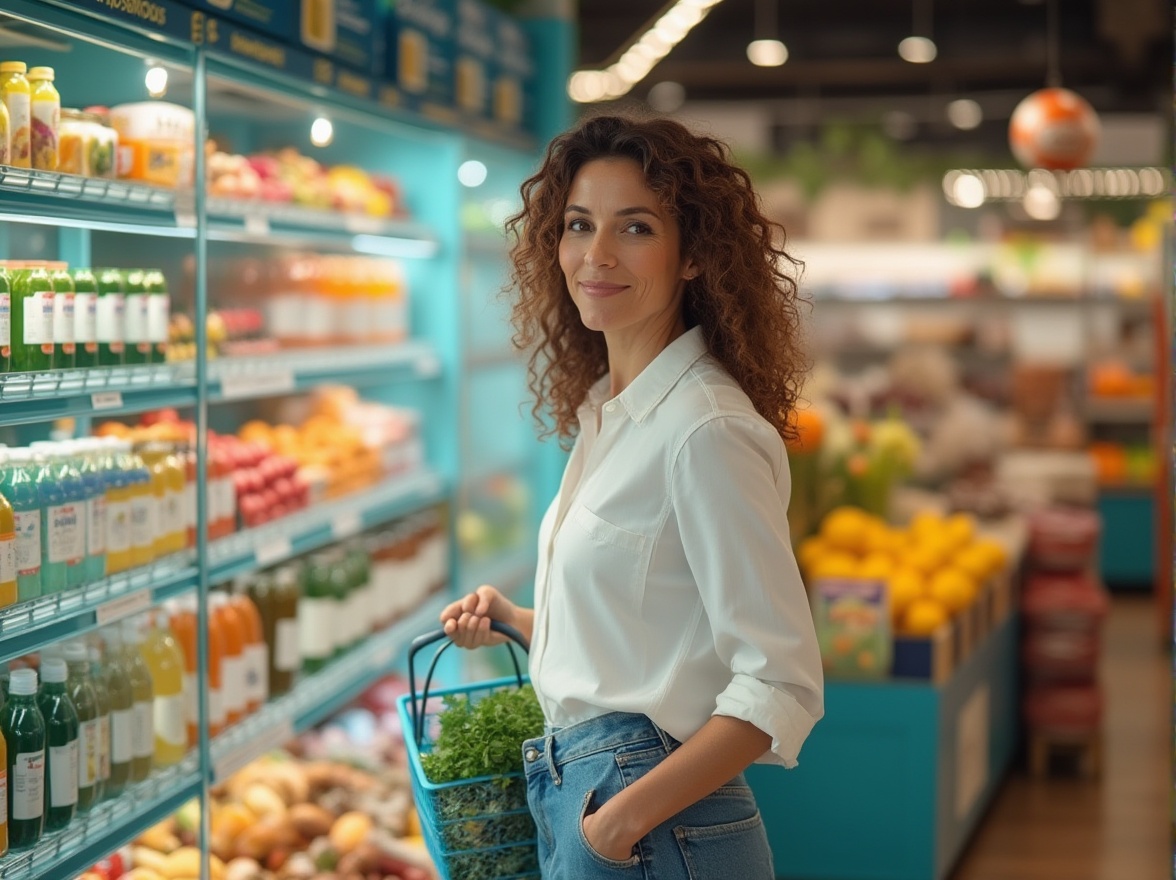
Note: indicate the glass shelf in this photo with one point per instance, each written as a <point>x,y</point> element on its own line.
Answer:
<point>320,695</point>
<point>31,625</point>
<point>35,397</point>
<point>322,524</point>
<point>67,853</point>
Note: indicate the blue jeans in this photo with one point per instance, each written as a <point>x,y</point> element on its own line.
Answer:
<point>572,771</point>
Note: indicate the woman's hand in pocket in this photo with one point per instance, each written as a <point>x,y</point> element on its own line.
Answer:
<point>606,837</point>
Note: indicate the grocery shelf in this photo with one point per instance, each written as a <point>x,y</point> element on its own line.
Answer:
<point>1119,412</point>
<point>1127,490</point>
<point>106,827</point>
<point>322,694</point>
<point>507,570</point>
<point>241,378</point>
<point>322,524</point>
<point>899,299</point>
<point>37,397</point>
<point>32,625</point>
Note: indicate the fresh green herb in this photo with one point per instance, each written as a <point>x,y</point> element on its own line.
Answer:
<point>483,737</point>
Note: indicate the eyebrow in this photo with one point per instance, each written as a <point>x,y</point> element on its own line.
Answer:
<point>624,212</point>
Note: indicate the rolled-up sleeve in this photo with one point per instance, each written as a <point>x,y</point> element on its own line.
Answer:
<point>730,486</point>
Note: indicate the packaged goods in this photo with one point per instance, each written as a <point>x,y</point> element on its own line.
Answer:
<point>80,688</point>
<point>5,318</point>
<point>18,484</point>
<point>61,745</point>
<point>23,729</point>
<point>17,96</point>
<point>64,317</point>
<point>8,589</point>
<point>165,662</point>
<point>45,118</point>
<point>156,142</point>
<point>32,320</point>
<point>5,135</point>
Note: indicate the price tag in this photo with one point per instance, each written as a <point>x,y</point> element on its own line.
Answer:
<point>361,224</point>
<point>123,606</point>
<point>346,524</point>
<point>257,224</point>
<point>257,384</point>
<point>273,551</point>
<point>274,736</point>
<point>106,400</point>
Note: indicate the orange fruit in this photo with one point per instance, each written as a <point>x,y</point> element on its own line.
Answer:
<point>960,529</point>
<point>875,567</point>
<point>845,528</point>
<point>922,617</point>
<point>974,561</point>
<point>953,588</point>
<point>809,551</point>
<point>834,565</point>
<point>905,585</point>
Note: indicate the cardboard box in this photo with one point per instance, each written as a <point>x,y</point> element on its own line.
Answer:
<point>348,31</point>
<point>419,51</point>
<point>852,619</point>
<point>928,658</point>
<point>273,18</point>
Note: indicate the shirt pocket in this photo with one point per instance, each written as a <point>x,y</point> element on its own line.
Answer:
<point>601,531</point>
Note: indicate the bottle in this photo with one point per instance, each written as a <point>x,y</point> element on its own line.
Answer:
<point>23,728</point>
<point>54,574</point>
<point>119,494</point>
<point>158,314</point>
<point>138,342</point>
<point>153,460</point>
<point>111,318</point>
<point>64,528</point>
<point>17,96</point>
<point>64,306</point>
<point>362,594</point>
<point>165,662</point>
<point>17,481</point>
<point>87,455</point>
<point>317,622</point>
<point>342,586</point>
<point>122,712</point>
<point>143,726</point>
<point>183,627</point>
<point>85,318</point>
<point>8,587</point>
<point>5,152</point>
<point>144,509</point>
<point>172,530</point>
<point>4,769</point>
<point>61,745</point>
<point>102,699</point>
<point>218,707</point>
<point>286,658</point>
<point>5,316</point>
<point>256,661</point>
<point>32,320</point>
<point>188,453</point>
<point>85,700</point>
<point>232,627</point>
<point>45,116</point>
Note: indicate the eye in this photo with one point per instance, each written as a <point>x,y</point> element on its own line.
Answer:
<point>638,228</point>
<point>577,224</point>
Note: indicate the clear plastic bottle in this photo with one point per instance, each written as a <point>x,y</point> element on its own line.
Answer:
<point>17,95</point>
<point>45,116</point>
<point>86,453</point>
<point>284,594</point>
<point>144,508</point>
<point>165,662</point>
<point>18,482</point>
<point>64,318</point>
<point>102,696</point>
<point>143,727</point>
<point>5,159</point>
<point>65,522</point>
<point>85,700</point>
<point>85,318</point>
<point>32,320</point>
<point>233,628</point>
<point>137,337</point>
<point>8,588</point>
<point>122,711</point>
<point>54,571</point>
<point>256,661</point>
<point>61,745</point>
<point>120,491</point>
<point>5,316</point>
<point>158,314</point>
<point>111,318</point>
<point>23,729</point>
<point>168,484</point>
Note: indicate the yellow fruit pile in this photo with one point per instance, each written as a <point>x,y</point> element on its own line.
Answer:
<point>934,567</point>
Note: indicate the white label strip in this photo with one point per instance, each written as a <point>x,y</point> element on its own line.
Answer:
<point>257,385</point>
<point>124,606</point>
<point>276,735</point>
<point>273,551</point>
<point>257,224</point>
<point>346,524</point>
<point>106,400</point>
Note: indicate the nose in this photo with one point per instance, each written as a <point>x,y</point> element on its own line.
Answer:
<point>599,253</point>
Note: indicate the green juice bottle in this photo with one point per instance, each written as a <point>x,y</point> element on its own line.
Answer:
<point>23,728</point>
<point>143,731</point>
<point>61,745</point>
<point>5,320</point>
<point>102,699</point>
<point>122,712</point>
<point>32,321</point>
<point>158,314</point>
<point>85,318</point>
<point>85,700</point>
<point>54,570</point>
<point>64,303</point>
<point>111,318</point>
<point>18,483</point>
<point>138,342</point>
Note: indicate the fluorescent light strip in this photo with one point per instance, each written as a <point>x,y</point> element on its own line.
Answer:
<point>641,55</point>
<point>1001,184</point>
<point>101,226</point>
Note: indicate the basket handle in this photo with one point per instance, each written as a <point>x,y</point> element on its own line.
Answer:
<point>423,641</point>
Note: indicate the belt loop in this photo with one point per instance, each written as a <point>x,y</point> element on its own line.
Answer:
<point>666,740</point>
<point>551,768</point>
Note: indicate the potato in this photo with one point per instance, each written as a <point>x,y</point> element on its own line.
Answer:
<point>310,820</point>
<point>145,857</point>
<point>270,833</point>
<point>263,800</point>
<point>349,831</point>
<point>185,862</point>
<point>161,837</point>
<point>289,781</point>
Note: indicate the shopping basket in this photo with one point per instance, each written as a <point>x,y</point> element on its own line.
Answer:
<point>475,829</point>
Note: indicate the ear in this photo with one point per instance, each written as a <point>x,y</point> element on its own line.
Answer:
<point>690,270</point>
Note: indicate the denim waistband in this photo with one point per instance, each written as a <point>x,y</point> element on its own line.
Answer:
<point>605,733</point>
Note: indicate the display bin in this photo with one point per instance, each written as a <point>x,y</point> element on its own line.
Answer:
<point>895,777</point>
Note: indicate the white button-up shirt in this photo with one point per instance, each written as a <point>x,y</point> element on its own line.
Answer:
<point>666,583</point>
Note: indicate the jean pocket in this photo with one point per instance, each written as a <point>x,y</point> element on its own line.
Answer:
<point>613,864</point>
<point>731,849</point>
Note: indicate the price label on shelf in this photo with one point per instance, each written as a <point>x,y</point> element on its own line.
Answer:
<point>106,400</point>
<point>257,224</point>
<point>362,224</point>
<point>123,606</point>
<point>273,550</point>
<point>346,524</point>
<point>272,736</point>
<point>256,384</point>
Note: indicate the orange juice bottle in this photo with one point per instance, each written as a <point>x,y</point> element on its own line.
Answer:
<point>233,664</point>
<point>183,627</point>
<point>256,659</point>
<point>7,554</point>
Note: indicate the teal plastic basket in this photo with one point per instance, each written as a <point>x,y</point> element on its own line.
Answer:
<point>475,829</point>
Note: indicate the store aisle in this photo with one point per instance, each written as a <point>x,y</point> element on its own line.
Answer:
<point>1067,828</point>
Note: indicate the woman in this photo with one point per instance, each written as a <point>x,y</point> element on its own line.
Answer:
<point>671,640</point>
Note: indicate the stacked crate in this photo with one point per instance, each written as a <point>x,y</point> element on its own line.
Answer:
<point>1062,607</point>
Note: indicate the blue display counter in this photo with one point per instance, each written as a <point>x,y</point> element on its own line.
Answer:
<point>893,781</point>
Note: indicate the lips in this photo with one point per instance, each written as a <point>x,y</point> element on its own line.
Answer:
<point>601,289</point>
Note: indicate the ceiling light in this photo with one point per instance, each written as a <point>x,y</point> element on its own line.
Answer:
<point>322,132</point>
<point>471,173</point>
<point>1041,203</point>
<point>767,53</point>
<point>156,82</point>
<point>917,50</point>
<point>965,114</point>
<point>968,191</point>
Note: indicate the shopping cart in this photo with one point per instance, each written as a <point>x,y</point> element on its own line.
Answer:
<point>475,829</point>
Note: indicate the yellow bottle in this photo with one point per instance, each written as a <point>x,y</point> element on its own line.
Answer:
<point>165,661</point>
<point>5,135</point>
<point>154,458</point>
<point>17,96</point>
<point>146,490</point>
<point>119,491</point>
<point>45,118</point>
<point>7,554</point>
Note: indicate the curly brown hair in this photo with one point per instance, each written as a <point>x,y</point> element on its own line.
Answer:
<point>743,299</point>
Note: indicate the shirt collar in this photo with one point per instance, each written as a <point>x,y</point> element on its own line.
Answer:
<point>655,381</point>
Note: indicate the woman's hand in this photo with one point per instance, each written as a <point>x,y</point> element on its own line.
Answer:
<point>609,840</point>
<point>467,621</point>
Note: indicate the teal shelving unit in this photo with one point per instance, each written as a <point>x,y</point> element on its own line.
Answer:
<point>256,94</point>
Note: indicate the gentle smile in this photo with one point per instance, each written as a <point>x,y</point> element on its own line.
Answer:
<point>601,288</point>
